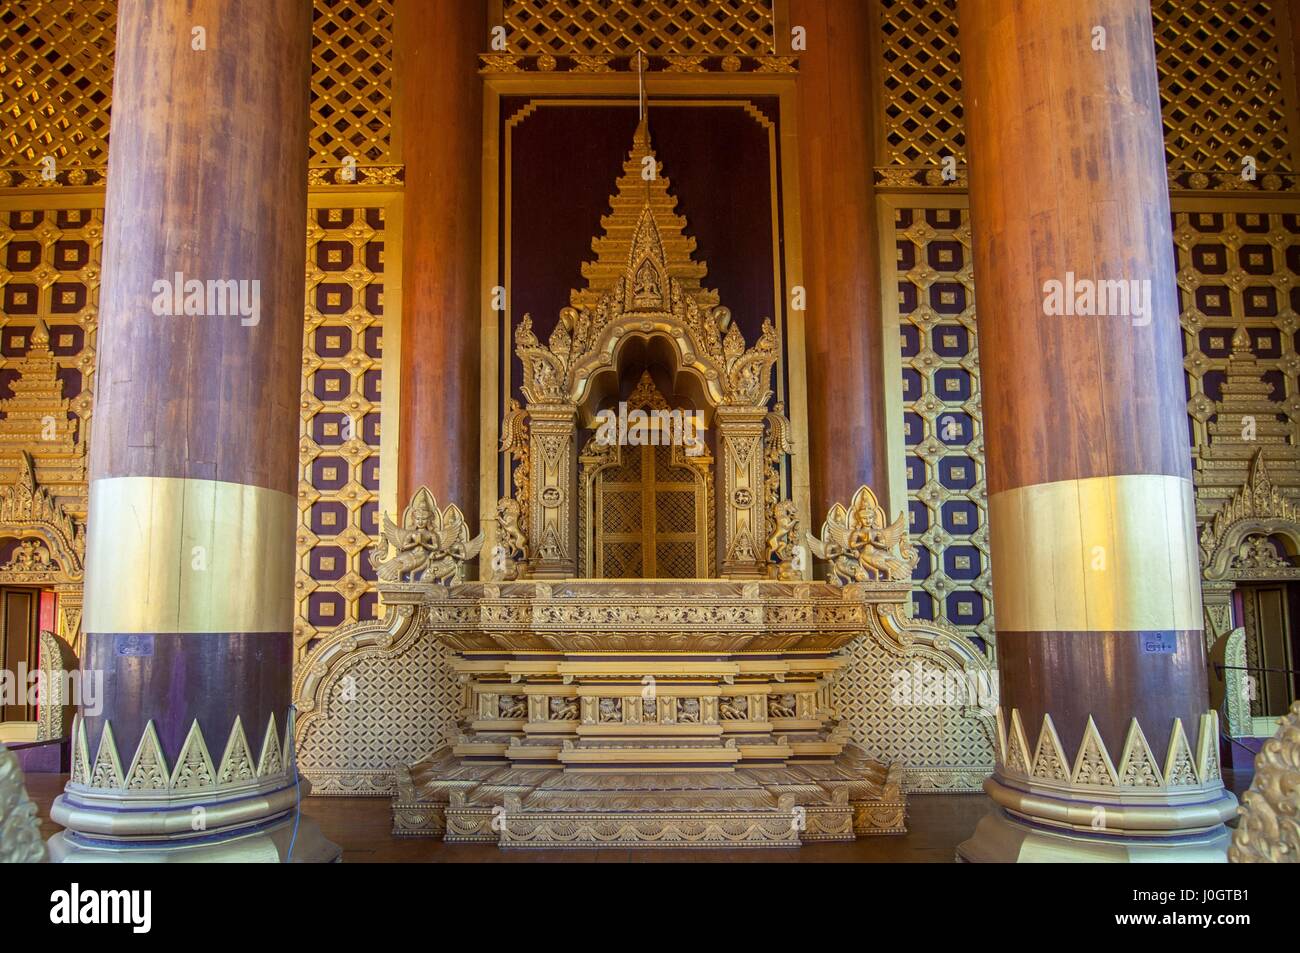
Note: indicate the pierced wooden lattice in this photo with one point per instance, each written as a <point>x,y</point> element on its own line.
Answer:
<point>922,79</point>
<point>56,78</point>
<point>584,27</point>
<point>1221,84</point>
<point>352,81</point>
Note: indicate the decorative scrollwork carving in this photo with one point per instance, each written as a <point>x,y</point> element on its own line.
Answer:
<point>859,545</point>
<point>20,832</point>
<point>431,545</point>
<point>1269,831</point>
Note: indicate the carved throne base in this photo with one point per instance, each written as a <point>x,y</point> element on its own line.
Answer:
<point>649,714</point>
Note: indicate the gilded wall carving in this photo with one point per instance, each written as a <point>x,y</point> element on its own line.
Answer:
<point>338,492</point>
<point>943,428</point>
<point>372,696</point>
<point>923,705</point>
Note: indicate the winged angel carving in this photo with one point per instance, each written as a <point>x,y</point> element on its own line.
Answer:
<point>859,545</point>
<point>429,546</point>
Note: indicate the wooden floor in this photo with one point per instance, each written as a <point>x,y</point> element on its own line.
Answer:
<point>937,823</point>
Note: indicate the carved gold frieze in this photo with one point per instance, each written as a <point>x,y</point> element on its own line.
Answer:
<point>147,775</point>
<point>1190,764</point>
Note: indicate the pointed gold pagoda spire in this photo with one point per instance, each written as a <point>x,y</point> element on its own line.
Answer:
<point>643,210</point>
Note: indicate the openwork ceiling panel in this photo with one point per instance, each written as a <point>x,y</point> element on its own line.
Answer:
<point>662,27</point>
<point>942,422</point>
<point>338,494</point>
<point>1222,86</point>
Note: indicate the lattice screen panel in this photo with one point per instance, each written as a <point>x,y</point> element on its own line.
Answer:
<point>56,78</point>
<point>49,273</point>
<point>393,709</point>
<point>666,27</point>
<point>941,747</point>
<point>942,422</point>
<point>339,444</point>
<point>352,81</point>
<point>922,82</point>
<point>1221,84</point>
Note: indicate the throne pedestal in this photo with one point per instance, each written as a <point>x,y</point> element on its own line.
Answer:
<point>648,713</point>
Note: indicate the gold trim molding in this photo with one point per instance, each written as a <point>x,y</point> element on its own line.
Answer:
<point>1136,772</point>
<point>168,553</point>
<point>1103,554</point>
<point>148,775</point>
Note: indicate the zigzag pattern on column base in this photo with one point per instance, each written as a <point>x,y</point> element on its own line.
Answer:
<point>780,806</point>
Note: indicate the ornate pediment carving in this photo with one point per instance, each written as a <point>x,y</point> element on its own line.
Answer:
<point>29,510</point>
<point>655,291</point>
<point>1232,540</point>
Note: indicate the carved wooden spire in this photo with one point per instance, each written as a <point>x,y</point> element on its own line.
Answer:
<point>644,210</point>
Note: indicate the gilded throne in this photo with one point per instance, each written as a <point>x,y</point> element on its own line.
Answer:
<point>646,658</point>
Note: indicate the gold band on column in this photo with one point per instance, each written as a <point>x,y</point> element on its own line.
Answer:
<point>168,554</point>
<point>1104,554</point>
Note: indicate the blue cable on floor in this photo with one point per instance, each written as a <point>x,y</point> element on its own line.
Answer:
<point>297,788</point>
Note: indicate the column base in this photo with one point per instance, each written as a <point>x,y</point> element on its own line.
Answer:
<point>269,845</point>
<point>1001,839</point>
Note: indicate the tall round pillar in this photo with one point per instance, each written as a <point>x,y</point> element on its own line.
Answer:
<point>842,323</point>
<point>441,102</point>
<point>184,752</point>
<point>1107,749</point>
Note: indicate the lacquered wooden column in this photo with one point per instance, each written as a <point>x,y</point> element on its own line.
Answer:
<point>441,116</point>
<point>1094,556</point>
<point>843,332</point>
<point>193,462</point>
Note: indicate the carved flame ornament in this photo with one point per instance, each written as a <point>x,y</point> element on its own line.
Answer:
<point>431,545</point>
<point>859,544</point>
